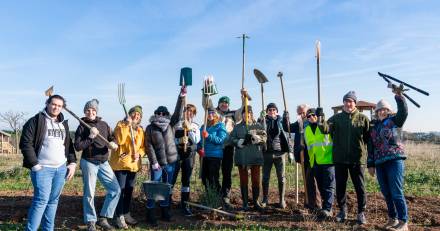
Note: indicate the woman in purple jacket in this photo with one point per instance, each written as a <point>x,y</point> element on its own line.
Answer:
<point>386,156</point>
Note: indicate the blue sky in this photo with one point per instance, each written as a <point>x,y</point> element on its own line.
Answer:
<point>85,48</point>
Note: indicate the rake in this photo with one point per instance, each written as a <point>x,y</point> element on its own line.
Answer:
<point>122,101</point>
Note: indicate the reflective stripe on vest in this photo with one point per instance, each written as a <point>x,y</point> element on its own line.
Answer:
<point>319,146</point>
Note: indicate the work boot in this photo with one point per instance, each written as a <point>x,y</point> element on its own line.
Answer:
<point>361,218</point>
<point>103,223</point>
<point>165,211</point>
<point>244,197</point>
<point>265,195</point>
<point>185,207</point>
<point>91,226</point>
<point>226,200</point>
<point>324,214</point>
<point>129,219</point>
<point>281,192</point>
<point>151,217</point>
<point>120,222</point>
<point>255,197</point>
<point>391,223</point>
<point>401,226</point>
<point>342,215</point>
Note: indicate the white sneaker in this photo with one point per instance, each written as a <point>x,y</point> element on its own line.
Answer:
<point>391,223</point>
<point>401,226</point>
<point>120,222</point>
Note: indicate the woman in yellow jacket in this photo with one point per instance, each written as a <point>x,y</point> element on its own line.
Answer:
<point>126,162</point>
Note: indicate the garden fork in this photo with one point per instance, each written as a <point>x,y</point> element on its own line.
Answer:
<point>122,101</point>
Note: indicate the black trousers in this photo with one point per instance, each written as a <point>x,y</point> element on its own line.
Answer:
<point>127,181</point>
<point>211,173</point>
<point>186,165</point>
<point>357,177</point>
<point>227,164</point>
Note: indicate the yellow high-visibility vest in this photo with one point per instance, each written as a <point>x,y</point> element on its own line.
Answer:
<point>319,146</point>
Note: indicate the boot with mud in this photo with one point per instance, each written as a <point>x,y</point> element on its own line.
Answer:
<point>255,197</point>
<point>244,198</point>
<point>185,207</point>
<point>282,192</point>
<point>265,200</point>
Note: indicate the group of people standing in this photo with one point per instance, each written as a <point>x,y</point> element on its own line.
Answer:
<point>328,150</point>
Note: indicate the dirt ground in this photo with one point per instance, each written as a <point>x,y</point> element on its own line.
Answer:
<point>424,214</point>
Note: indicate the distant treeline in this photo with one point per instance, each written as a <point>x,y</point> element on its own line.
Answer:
<point>432,137</point>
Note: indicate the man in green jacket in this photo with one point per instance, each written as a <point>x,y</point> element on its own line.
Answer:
<point>350,132</point>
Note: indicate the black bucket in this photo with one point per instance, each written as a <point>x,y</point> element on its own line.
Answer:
<point>156,190</point>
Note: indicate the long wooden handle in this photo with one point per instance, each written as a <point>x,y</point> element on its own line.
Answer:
<point>86,125</point>
<point>131,133</point>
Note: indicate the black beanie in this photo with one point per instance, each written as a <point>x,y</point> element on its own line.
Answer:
<point>271,105</point>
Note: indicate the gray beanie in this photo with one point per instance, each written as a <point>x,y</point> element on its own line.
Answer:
<point>350,95</point>
<point>383,104</point>
<point>94,103</point>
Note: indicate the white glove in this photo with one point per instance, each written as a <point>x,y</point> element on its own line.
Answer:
<point>156,166</point>
<point>70,171</point>
<point>113,145</point>
<point>93,133</point>
<point>240,143</point>
<point>37,167</point>
<point>291,158</point>
<point>256,139</point>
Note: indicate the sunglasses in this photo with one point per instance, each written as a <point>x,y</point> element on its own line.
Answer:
<point>271,109</point>
<point>161,113</point>
<point>310,115</point>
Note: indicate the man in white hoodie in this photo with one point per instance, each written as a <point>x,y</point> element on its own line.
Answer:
<point>48,151</point>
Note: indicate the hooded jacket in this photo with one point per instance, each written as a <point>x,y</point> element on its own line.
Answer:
<point>32,139</point>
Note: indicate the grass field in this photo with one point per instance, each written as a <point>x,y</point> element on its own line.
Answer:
<point>422,179</point>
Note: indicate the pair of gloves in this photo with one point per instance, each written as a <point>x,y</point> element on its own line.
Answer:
<point>249,139</point>
<point>94,133</point>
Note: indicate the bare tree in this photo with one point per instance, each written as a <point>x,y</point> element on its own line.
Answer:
<point>15,120</point>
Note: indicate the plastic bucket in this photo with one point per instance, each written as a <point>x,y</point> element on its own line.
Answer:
<point>156,190</point>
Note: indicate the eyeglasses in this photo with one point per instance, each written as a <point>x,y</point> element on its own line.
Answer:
<point>310,115</point>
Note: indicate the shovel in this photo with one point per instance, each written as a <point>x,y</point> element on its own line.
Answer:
<point>261,78</point>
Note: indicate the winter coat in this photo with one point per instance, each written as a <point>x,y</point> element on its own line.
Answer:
<point>32,138</point>
<point>298,144</point>
<point>122,158</point>
<point>214,142</point>
<point>284,142</point>
<point>193,134</point>
<point>93,149</point>
<point>385,143</point>
<point>159,141</point>
<point>250,154</point>
<point>350,133</point>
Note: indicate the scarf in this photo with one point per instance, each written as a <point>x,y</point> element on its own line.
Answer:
<point>161,122</point>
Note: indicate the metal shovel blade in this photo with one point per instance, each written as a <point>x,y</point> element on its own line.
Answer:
<point>260,76</point>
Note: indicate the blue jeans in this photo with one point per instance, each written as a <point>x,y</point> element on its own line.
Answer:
<point>48,184</point>
<point>325,176</point>
<point>103,172</point>
<point>164,174</point>
<point>390,178</point>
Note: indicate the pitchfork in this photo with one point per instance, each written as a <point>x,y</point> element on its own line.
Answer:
<point>209,89</point>
<point>122,101</point>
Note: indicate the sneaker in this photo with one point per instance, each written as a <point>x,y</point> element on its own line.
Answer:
<point>391,223</point>
<point>103,223</point>
<point>227,203</point>
<point>129,219</point>
<point>120,222</point>
<point>401,226</point>
<point>361,218</point>
<point>342,216</point>
<point>91,226</point>
<point>264,202</point>
<point>325,214</point>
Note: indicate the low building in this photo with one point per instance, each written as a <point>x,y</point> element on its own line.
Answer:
<point>6,146</point>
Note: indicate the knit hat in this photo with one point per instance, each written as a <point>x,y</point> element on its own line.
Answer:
<point>162,109</point>
<point>311,111</point>
<point>383,104</point>
<point>224,99</point>
<point>136,108</point>
<point>271,105</point>
<point>212,109</point>
<point>94,103</point>
<point>350,95</point>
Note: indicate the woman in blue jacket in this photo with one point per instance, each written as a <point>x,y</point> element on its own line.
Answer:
<point>212,153</point>
<point>385,158</point>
